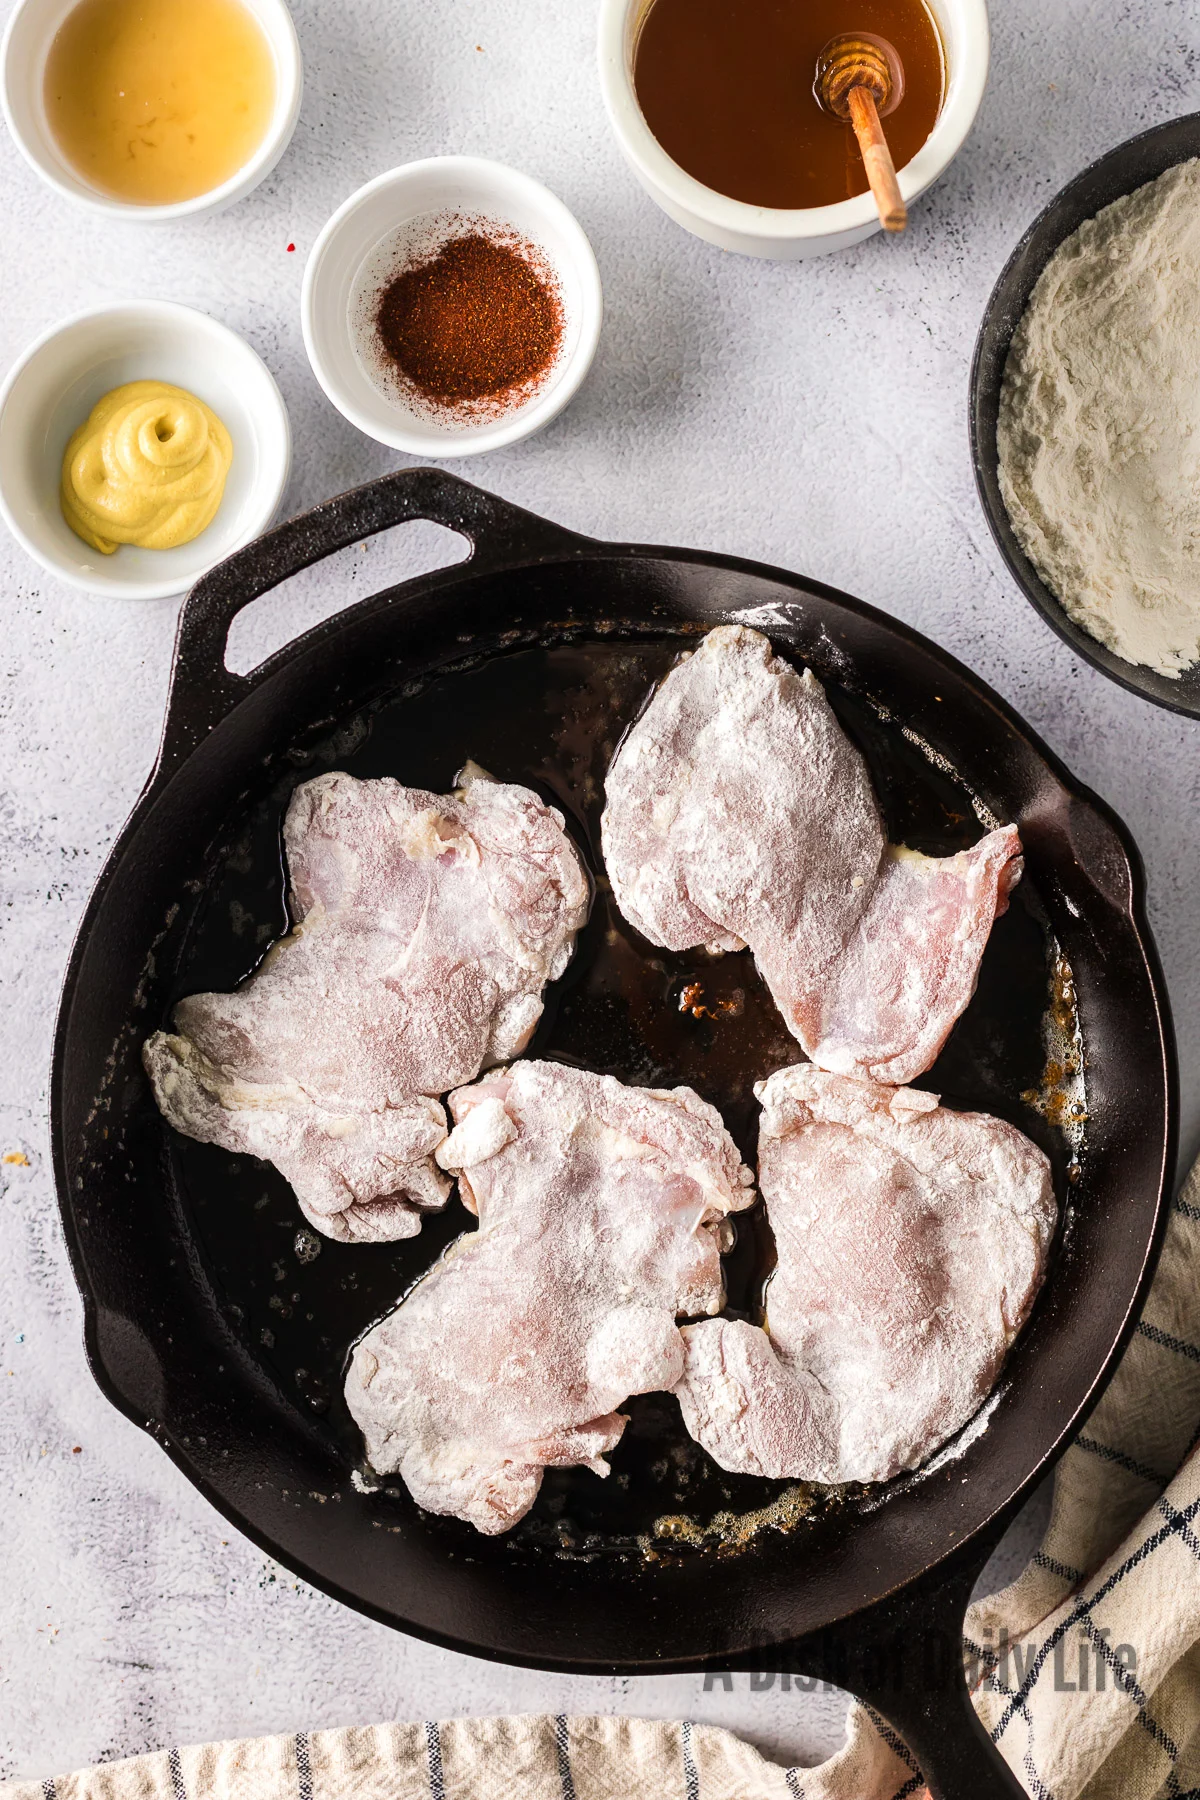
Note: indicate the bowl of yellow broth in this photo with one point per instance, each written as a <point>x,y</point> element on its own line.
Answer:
<point>151,109</point>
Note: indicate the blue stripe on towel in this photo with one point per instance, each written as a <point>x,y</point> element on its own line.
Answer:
<point>433,1741</point>
<point>1166,1341</point>
<point>892,1739</point>
<point>691,1774</point>
<point>562,1747</point>
<point>1125,1681</point>
<point>1107,1454</point>
<point>1063,1570</point>
<point>1179,1522</point>
<point>303,1767</point>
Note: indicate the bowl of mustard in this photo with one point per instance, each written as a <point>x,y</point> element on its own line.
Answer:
<point>140,444</point>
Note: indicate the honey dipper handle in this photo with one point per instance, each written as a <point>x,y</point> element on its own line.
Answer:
<point>881,171</point>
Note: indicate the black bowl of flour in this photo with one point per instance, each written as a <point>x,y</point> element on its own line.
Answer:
<point>1123,170</point>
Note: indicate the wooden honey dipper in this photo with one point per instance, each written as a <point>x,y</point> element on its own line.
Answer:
<point>856,80</point>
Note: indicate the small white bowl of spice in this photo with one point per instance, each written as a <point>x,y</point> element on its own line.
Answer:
<point>140,444</point>
<point>151,110</point>
<point>451,306</point>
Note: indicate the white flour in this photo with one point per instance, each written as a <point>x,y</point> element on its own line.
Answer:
<point>1099,434</point>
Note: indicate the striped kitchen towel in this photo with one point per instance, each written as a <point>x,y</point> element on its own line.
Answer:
<point>1086,1670</point>
<point>1092,1657</point>
<point>466,1759</point>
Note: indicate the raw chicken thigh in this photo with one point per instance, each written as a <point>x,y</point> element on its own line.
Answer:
<point>738,812</point>
<point>600,1210</point>
<point>426,928</point>
<point>912,1241</point>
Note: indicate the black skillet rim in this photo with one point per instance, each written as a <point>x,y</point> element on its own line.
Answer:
<point>596,550</point>
<point>1070,207</point>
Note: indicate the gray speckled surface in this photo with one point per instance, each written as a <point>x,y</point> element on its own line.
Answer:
<point>811,415</point>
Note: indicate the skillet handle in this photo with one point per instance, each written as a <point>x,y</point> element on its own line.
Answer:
<point>203,690</point>
<point>903,1659</point>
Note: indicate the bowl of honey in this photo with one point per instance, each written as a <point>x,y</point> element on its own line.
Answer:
<point>715,107</point>
<point>151,110</point>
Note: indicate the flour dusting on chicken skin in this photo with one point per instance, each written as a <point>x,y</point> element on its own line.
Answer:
<point>426,927</point>
<point>912,1242</point>
<point>738,812</point>
<point>600,1226</point>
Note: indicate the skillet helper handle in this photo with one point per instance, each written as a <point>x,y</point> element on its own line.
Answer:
<point>203,690</point>
<point>903,1659</point>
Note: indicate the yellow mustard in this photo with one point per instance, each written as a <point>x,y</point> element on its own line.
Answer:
<point>146,467</point>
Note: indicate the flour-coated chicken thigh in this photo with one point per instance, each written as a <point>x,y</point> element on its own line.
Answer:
<point>600,1211</point>
<point>912,1241</point>
<point>426,927</point>
<point>738,812</point>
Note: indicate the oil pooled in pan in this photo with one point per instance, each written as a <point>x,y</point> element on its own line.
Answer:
<point>551,718</point>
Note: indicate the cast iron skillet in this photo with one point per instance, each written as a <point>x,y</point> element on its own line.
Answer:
<point>1127,167</point>
<point>869,1593</point>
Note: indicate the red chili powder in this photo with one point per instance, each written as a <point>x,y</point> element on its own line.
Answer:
<point>477,322</point>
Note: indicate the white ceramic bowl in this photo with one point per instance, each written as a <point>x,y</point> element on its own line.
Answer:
<point>779,232</point>
<point>401,217</point>
<point>31,29</point>
<point>60,378</point>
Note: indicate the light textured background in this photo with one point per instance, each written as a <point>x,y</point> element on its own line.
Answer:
<point>811,415</point>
